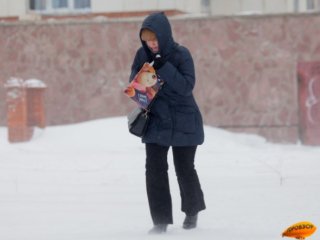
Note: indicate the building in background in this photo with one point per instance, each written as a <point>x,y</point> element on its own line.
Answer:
<point>35,9</point>
<point>38,9</point>
<point>236,7</point>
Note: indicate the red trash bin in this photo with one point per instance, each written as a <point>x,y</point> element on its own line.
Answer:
<point>36,102</point>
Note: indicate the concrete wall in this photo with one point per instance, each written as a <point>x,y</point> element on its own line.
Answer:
<point>245,66</point>
<point>145,5</point>
<point>10,8</point>
<point>231,7</point>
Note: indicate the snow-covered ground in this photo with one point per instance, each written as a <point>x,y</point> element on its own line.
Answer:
<point>86,182</point>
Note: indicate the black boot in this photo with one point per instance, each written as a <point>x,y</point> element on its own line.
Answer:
<point>158,229</point>
<point>190,222</point>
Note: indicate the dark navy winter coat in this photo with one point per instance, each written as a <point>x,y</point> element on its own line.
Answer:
<point>175,119</point>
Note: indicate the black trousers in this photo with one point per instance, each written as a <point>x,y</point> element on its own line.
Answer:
<point>157,182</point>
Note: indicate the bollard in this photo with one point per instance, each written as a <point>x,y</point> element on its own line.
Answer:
<point>17,112</point>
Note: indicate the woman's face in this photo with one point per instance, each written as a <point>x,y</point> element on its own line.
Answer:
<point>153,45</point>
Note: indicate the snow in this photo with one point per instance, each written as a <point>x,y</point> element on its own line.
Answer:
<point>13,82</point>
<point>35,83</point>
<point>30,83</point>
<point>86,182</point>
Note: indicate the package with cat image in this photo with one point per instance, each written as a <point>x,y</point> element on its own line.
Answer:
<point>144,86</point>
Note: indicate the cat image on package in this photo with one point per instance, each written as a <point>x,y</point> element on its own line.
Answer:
<point>144,86</point>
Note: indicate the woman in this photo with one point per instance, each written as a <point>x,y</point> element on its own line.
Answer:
<point>175,121</point>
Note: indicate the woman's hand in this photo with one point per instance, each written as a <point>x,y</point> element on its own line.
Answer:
<point>158,61</point>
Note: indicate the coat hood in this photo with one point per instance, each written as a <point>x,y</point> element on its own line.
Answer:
<point>159,24</point>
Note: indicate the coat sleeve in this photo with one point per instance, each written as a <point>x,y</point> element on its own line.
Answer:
<point>181,78</point>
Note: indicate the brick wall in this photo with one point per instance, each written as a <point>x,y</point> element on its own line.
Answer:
<point>246,67</point>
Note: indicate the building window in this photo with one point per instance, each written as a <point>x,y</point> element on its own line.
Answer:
<point>310,5</point>
<point>79,4</point>
<point>296,6</point>
<point>59,6</point>
<point>37,4</point>
<point>205,6</point>
<point>60,3</point>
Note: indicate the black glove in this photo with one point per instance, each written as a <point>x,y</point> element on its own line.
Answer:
<point>158,61</point>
